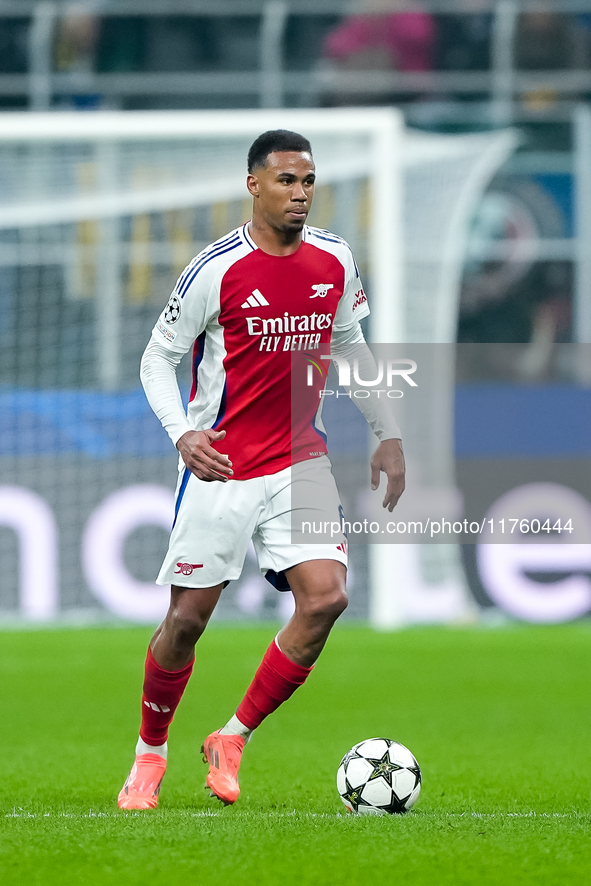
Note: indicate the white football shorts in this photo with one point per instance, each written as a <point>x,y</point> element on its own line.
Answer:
<point>215,522</point>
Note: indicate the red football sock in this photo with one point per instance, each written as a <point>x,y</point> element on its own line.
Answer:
<point>162,693</point>
<point>276,679</point>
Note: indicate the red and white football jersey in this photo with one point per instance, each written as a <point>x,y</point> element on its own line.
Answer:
<point>245,313</point>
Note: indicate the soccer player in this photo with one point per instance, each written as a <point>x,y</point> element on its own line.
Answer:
<point>249,305</point>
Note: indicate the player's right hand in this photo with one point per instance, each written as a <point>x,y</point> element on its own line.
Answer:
<point>201,458</point>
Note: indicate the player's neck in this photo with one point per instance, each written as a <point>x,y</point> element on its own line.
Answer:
<point>272,241</point>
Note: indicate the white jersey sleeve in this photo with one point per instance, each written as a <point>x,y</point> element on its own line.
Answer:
<point>353,304</point>
<point>192,307</point>
<point>158,375</point>
<point>188,311</point>
<point>377,411</point>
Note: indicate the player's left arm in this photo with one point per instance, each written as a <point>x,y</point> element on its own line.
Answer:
<point>348,341</point>
<point>389,456</point>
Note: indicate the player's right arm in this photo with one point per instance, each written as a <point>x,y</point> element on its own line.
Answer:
<point>182,321</point>
<point>201,458</point>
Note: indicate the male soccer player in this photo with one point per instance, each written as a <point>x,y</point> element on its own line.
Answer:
<point>246,304</point>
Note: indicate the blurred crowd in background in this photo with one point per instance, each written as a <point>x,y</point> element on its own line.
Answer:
<point>436,60</point>
<point>395,35</point>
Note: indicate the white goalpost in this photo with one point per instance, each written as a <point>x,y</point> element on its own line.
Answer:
<point>153,162</point>
<point>100,212</point>
<point>442,180</point>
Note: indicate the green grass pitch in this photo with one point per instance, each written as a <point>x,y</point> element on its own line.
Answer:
<point>498,719</point>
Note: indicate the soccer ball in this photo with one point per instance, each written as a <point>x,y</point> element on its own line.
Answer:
<point>172,311</point>
<point>379,776</point>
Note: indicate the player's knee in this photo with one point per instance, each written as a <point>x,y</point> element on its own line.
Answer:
<point>337,604</point>
<point>186,627</point>
<point>326,607</point>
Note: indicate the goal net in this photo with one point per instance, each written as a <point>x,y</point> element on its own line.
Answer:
<point>98,216</point>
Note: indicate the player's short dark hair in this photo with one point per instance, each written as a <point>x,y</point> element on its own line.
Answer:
<point>275,140</point>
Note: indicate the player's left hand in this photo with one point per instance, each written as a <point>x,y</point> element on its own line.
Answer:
<point>389,458</point>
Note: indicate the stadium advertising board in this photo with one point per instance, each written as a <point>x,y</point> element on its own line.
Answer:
<point>496,464</point>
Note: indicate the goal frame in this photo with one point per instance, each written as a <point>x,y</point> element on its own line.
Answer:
<point>389,153</point>
<point>383,167</point>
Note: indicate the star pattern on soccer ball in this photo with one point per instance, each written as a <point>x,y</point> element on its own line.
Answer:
<point>349,756</point>
<point>353,796</point>
<point>172,310</point>
<point>417,774</point>
<point>383,768</point>
<point>395,796</point>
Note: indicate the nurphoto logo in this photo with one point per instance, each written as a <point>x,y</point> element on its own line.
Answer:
<point>388,372</point>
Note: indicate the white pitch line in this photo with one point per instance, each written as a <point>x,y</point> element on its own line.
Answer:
<point>21,813</point>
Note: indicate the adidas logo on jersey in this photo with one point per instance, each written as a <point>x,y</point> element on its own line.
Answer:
<point>256,300</point>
